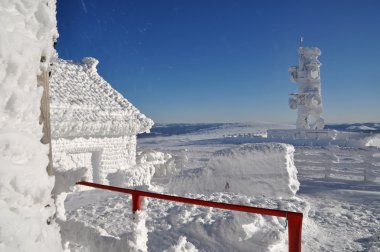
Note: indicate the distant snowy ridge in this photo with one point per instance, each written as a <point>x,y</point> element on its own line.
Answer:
<point>84,104</point>
<point>356,127</point>
<point>362,127</point>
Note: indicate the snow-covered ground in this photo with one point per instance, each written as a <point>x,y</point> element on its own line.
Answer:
<point>341,206</point>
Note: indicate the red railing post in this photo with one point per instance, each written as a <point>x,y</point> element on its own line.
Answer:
<point>294,231</point>
<point>136,202</point>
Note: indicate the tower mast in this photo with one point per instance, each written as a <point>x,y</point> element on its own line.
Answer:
<point>308,99</point>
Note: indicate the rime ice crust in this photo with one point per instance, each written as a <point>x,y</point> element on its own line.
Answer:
<point>94,127</point>
<point>251,169</point>
<point>84,104</point>
<point>308,100</point>
<point>27,30</point>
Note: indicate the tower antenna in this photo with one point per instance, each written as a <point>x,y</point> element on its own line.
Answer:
<point>301,41</point>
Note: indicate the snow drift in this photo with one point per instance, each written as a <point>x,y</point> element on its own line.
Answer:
<point>262,169</point>
<point>147,163</point>
<point>373,140</point>
<point>27,31</point>
<point>103,221</point>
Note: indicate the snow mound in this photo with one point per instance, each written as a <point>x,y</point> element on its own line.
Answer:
<point>84,104</point>
<point>27,32</point>
<point>182,246</point>
<point>251,169</point>
<point>373,141</point>
<point>147,163</point>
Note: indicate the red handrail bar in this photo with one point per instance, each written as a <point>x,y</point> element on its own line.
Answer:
<point>294,219</point>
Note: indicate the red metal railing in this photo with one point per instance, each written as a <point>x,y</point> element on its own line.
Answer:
<point>294,219</point>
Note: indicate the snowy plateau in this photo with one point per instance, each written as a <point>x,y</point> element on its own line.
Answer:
<point>336,188</point>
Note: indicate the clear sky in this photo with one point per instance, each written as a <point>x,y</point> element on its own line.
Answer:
<point>227,61</point>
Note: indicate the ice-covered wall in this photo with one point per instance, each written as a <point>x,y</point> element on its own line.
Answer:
<point>308,100</point>
<point>27,31</point>
<point>99,157</point>
<point>251,169</point>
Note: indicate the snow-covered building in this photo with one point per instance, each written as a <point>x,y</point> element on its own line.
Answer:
<point>93,126</point>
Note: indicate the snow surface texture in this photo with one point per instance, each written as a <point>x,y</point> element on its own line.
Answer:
<point>182,246</point>
<point>341,213</point>
<point>84,104</point>
<point>373,141</point>
<point>103,223</point>
<point>323,138</point>
<point>138,175</point>
<point>262,169</point>
<point>344,209</point>
<point>27,31</point>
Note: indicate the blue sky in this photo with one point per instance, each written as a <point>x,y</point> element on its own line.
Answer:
<point>227,61</point>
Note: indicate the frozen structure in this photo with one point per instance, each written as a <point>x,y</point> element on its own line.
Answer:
<point>93,126</point>
<point>308,100</point>
<point>27,32</point>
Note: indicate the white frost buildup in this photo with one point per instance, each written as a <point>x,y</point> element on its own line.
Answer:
<point>251,169</point>
<point>139,238</point>
<point>27,31</point>
<point>141,174</point>
<point>84,104</point>
<point>308,100</point>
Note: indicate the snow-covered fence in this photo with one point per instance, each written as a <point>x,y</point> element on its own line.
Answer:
<point>356,164</point>
<point>294,219</point>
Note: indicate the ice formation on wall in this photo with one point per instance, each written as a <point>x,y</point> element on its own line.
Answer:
<point>308,100</point>
<point>27,31</point>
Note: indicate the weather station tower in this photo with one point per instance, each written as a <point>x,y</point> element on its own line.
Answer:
<point>309,130</point>
<point>308,99</point>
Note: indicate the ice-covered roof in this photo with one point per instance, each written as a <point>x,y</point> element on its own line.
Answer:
<point>83,104</point>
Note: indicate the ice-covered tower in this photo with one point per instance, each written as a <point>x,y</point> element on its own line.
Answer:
<point>308,100</point>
